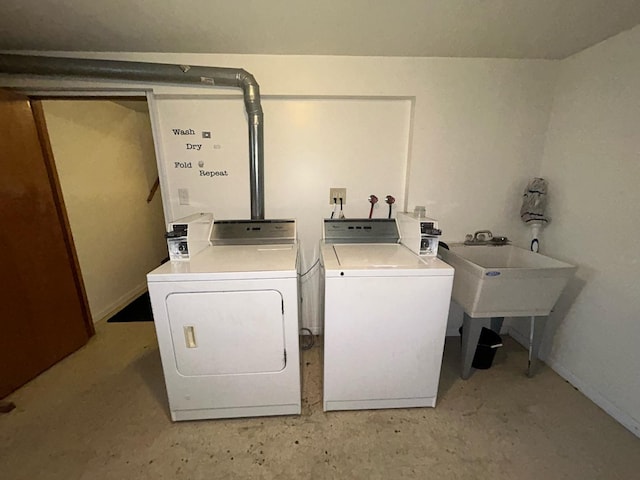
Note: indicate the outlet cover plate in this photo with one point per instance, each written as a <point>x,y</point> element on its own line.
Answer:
<point>338,193</point>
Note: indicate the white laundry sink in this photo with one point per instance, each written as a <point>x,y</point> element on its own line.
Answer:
<point>505,281</point>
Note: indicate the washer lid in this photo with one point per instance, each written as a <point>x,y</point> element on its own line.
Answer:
<point>379,259</point>
<point>232,262</point>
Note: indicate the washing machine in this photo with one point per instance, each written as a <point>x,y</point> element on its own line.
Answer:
<point>385,317</point>
<point>227,323</point>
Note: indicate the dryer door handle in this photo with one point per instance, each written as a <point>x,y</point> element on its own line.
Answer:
<point>190,336</point>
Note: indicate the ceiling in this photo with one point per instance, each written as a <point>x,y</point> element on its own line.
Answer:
<point>551,29</point>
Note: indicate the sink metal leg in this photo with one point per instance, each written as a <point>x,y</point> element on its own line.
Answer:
<point>496,324</point>
<point>471,328</point>
<point>535,339</point>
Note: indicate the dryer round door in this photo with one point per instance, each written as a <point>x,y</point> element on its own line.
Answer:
<point>227,332</point>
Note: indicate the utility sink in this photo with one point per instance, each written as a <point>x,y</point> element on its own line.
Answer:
<point>505,281</point>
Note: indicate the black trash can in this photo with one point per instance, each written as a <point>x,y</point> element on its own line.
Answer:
<point>488,344</point>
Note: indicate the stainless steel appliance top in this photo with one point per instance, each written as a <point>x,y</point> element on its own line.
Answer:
<point>253,232</point>
<point>361,230</point>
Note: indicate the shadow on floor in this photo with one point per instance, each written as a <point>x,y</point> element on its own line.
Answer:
<point>137,311</point>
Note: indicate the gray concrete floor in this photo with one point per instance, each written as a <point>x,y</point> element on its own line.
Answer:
<point>102,414</point>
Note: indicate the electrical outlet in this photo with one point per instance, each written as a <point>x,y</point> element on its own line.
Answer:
<point>183,196</point>
<point>338,193</point>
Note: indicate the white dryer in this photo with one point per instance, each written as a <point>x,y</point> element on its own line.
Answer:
<point>227,323</point>
<point>385,317</point>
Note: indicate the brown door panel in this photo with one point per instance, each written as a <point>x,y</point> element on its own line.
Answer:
<point>45,315</point>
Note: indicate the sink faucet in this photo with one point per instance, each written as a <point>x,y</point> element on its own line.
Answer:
<point>482,236</point>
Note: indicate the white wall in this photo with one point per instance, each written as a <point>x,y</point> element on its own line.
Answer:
<point>592,164</point>
<point>105,159</point>
<point>310,144</point>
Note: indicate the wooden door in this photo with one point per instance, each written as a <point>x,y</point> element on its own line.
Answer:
<point>44,314</point>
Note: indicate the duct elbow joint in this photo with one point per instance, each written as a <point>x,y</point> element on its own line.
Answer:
<point>251,91</point>
<point>245,79</point>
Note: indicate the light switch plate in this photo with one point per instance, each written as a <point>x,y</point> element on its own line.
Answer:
<point>183,196</point>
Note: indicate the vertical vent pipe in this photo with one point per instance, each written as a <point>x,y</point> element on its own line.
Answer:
<point>164,73</point>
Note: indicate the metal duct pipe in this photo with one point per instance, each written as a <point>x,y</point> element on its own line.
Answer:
<point>164,73</point>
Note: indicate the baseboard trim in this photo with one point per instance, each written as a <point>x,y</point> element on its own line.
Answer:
<point>120,303</point>
<point>624,419</point>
